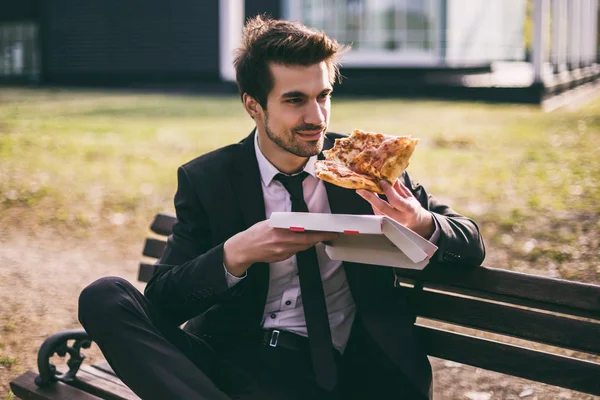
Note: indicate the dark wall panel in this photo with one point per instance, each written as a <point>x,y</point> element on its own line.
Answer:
<point>269,7</point>
<point>21,10</point>
<point>143,40</point>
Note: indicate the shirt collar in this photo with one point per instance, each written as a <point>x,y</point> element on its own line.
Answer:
<point>268,170</point>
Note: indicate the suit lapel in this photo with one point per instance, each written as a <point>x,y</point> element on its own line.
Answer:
<point>248,191</point>
<point>247,185</point>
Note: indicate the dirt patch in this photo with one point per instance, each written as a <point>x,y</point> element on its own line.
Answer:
<point>40,280</point>
<point>42,276</point>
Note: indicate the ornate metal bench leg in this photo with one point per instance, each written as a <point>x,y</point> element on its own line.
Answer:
<point>58,343</point>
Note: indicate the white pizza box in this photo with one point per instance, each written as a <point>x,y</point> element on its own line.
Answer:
<point>367,239</point>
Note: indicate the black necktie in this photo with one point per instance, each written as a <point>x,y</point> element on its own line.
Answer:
<point>313,297</point>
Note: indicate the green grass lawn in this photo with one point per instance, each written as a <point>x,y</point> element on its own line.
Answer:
<point>85,162</point>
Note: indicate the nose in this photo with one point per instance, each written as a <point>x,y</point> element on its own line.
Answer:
<point>316,113</point>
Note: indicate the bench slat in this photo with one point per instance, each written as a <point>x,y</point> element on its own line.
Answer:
<point>104,366</point>
<point>145,273</point>
<point>550,294</point>
<point>99,373</point>
<point>163,224</point>
<point>154,247</point>
<point>566,372</point>
<point>104,385</point>
<point>527,324</point>
<point>24,388</point>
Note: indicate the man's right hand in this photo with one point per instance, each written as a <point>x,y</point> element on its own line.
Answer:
<point>262,243</point>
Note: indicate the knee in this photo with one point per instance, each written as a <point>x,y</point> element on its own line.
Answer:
<point>100,299</point>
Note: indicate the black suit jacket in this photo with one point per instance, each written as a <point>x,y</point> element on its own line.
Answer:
<point>219,194</point>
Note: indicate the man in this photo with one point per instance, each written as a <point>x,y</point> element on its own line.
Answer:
<point>252,333</point>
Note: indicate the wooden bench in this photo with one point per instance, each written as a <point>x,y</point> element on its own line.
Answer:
<point>562,314</point>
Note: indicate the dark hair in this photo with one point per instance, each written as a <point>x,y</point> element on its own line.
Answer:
<point>268,40</point>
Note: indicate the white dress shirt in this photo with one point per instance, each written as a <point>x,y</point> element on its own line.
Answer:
<point>284,309</point>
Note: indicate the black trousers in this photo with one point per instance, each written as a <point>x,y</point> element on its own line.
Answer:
<point>158,360</point>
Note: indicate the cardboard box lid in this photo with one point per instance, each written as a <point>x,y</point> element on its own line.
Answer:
<point>368,239</point>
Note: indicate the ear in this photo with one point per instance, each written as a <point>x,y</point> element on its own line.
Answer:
<point>253,108</point>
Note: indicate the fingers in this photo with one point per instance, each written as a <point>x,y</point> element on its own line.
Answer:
<point>311,238</point>
<point>401,189</point>
<point>397,195</point>
<point>323,236</point>
<point>372,198</point>
<point>397,189</point>
<point>368,196</point>
<point>380,206</point>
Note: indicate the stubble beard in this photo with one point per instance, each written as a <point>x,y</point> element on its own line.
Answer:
<point>289,142</point>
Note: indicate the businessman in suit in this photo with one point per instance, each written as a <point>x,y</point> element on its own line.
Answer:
<point>268,315</point>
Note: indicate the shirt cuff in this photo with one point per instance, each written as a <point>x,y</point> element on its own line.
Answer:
<point>436,234</point>
<point>233,280</point>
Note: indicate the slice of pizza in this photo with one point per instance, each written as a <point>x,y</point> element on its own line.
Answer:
<point>363,159</point>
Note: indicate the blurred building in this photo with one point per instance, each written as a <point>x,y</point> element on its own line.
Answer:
<point>109,42</point>
<point>19,47</point>
<point>448,48</point>
<point>419,33</point>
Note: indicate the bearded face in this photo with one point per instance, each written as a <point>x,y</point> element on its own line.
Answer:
<point>297,112</point>
<point>304,140</point>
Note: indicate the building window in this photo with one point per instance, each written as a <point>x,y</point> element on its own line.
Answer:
<point>380,31</point>
<point>19,53</point>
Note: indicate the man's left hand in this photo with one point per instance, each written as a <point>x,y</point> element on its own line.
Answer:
<point>402,206</point>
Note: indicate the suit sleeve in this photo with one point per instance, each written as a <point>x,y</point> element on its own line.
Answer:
<point>189,276</point>
<point>460,241</point>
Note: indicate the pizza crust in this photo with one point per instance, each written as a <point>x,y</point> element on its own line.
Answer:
<point>339,175</point>
<point>400,149</point>
<point>366,158</point>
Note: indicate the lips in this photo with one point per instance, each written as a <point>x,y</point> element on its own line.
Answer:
<point>310,135</point>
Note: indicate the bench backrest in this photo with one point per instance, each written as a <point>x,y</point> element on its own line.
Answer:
<point>542,324</point>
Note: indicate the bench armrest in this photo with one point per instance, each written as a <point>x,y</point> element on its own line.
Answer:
<point>59,343</point>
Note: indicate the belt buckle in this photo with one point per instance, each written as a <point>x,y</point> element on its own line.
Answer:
<point>274,338</point>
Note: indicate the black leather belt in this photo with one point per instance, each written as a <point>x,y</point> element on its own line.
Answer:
<point>285,339</point>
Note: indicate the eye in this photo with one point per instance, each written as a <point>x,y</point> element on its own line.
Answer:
<point>294,100</point>
<point>325,96</point>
